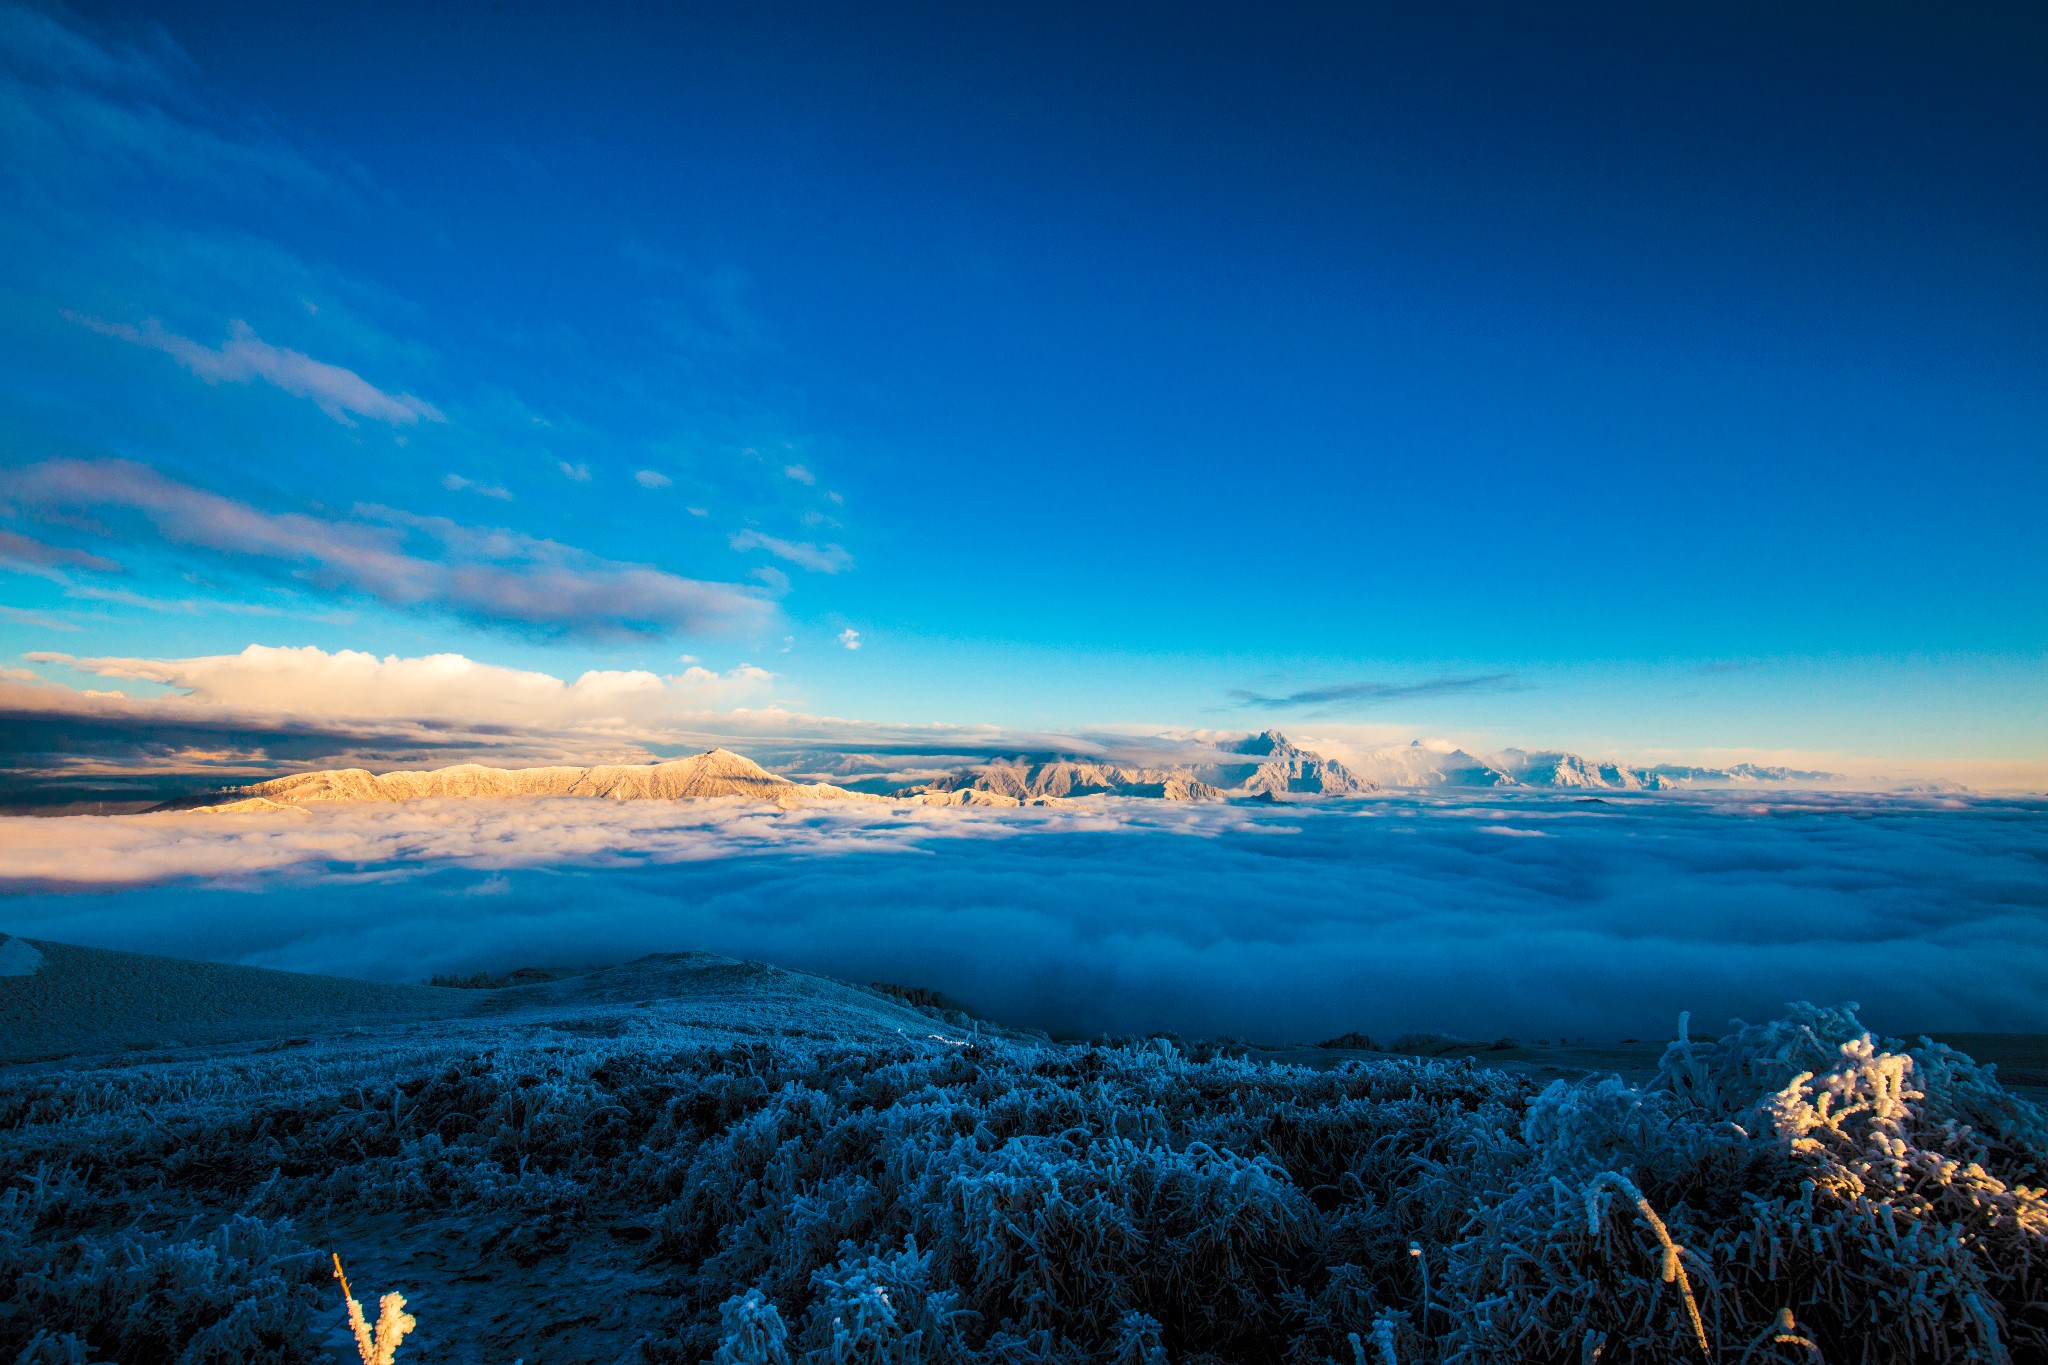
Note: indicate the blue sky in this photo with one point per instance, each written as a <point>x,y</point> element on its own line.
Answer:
<point>1680,373</point>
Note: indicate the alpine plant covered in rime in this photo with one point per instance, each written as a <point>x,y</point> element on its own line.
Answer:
<point>1794,1191</point>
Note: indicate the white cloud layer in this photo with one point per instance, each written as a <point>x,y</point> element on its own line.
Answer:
<point>1389,914</point>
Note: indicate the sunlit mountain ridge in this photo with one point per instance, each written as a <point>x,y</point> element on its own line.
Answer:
<point>1265,766</point>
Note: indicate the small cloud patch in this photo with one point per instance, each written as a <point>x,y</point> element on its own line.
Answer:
<point>455,483</point>
<point>826,559</point>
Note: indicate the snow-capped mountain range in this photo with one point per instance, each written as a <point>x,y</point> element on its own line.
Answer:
<point>1263,765</point>
<point>1266,766</point>
<point>1418,765</point>
<point>1270,765</point>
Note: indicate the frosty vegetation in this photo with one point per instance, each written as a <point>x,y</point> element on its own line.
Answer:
<point>1794,1191</point>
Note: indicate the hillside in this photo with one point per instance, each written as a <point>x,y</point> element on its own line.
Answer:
<point>70,1001</point>
<point>691,1158</point>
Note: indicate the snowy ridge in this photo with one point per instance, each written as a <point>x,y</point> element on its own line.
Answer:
<point>1271,765</point>
<point>1265,765</point>
<point>1262,765</point>
<point>718,772</point>
<point>1015,783</point>
<point>1419,765</point>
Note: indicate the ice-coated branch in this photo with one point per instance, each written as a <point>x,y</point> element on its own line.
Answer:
<point>1673,1266</point>
<point>378,1345</point>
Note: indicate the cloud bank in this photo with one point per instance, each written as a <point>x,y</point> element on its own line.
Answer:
<point>1299,923</point>
<point>267,711</point>
<point>487,574</point>
<point>270,710</point>
<point>348,682</point>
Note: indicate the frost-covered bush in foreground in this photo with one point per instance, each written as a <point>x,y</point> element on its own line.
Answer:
<point>924,1201</point>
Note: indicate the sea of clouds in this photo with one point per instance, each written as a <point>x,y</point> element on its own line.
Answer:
<point>1531,914</point>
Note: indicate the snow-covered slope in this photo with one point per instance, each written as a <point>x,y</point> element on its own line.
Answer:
<point>1741,774</point>
<point>1418,765</point>
<point>1556,769</point>
<point>96,1000</point>
<point>1032,782</point>
<point>719,772</point>
<point>1272,765</point>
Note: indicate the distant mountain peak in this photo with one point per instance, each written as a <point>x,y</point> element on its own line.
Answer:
<point>1260,745</point>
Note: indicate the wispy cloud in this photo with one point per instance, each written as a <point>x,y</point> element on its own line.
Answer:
<point>803,554</point>
<point>575,473</point>
<point>19,551</point>
<point>244,356</point>
<point>455,483</point>
<point>849,638</point>
<point>1366,692</point>
<point>487,574</point>
<point>93,110</point>
<point>14,616</point>
<point>651,478</point>
<point>800,473</point>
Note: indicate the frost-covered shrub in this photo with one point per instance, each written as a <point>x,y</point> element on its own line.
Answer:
<point>751,1332</point>
<point>239,1292</point>
<point>918,1198</point>
<point>1799,1168</point>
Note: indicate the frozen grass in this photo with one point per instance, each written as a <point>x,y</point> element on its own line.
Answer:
<point>951,1199</point>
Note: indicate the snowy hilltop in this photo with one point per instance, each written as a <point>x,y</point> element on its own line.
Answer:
<point>718,772</point>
